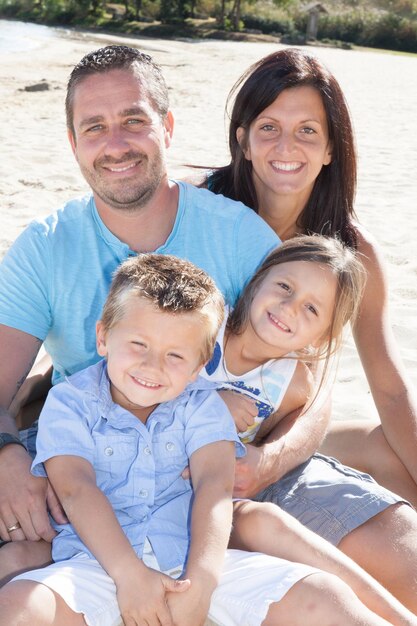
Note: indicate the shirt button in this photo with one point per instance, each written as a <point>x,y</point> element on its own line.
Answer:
<point>147,450</point>
<point>108,451</point>
<point>170,446</point>
<point>143,493</point>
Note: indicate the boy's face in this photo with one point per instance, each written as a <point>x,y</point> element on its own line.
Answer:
<point>151,355</point>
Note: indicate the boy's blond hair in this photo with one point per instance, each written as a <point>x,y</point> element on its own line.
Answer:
<point>171,285</point>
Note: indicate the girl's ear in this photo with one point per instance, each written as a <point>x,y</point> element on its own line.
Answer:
<point>241,139</point>
<point>101,339</point>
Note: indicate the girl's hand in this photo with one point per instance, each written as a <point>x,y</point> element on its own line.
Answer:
<point>189,608</point>
<point>142,596</point>
<point>242,408</point>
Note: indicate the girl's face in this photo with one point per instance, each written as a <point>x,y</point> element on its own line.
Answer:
<point>293,307</point>
<point>288,144</point>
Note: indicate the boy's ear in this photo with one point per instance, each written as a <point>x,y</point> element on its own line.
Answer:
<point>101,339</point>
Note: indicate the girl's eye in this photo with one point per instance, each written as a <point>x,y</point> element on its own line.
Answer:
<point>312,309</point>
<point>174,355</point>
<point>284,286</point>
<point>138,343</point>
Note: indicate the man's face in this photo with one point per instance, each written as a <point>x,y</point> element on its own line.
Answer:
<point>119,139</point>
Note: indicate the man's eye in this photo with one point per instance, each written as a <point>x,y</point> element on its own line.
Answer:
<point>95,128</point>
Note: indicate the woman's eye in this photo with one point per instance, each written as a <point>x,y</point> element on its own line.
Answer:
<point>308,131</point>
<point>267,127</point>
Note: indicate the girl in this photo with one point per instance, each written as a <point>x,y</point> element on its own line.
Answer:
<point>290,317</point>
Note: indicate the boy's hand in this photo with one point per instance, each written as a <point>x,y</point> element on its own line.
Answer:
<point>142,597</point>
<point>189,608</point>
<point>242,408</point>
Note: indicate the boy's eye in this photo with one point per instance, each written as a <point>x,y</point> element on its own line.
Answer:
<point>138,343</point>
<point>174,355</point>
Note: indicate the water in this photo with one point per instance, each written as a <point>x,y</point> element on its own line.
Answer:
<point>22,36</point>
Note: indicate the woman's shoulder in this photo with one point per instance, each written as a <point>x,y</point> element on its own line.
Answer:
<point>368,247</point>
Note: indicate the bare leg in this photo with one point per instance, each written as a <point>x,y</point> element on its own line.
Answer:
<point>386,546</point>
<point>264,527</point>
<point>21,556</point>
<point>321,600</point>
<point>361,444</point>
<point>27,603</point>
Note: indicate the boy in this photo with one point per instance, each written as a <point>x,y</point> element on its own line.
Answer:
<point>113,441</point>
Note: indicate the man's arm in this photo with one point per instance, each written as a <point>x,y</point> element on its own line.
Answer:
<point>141,592</point>
<point>287,438</point>
<point>212,472</point>
<point>23,498</point>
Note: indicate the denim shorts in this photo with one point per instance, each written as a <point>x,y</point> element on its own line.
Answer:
<point>249,583</point>
<point>329,498</point>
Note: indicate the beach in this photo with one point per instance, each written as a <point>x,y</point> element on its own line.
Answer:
<point>39,173</point>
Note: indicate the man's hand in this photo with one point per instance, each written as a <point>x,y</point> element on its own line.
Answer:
<point>142,597</point>
<point>254,472</point>
<point>242,408</point>
<point>24,499</point>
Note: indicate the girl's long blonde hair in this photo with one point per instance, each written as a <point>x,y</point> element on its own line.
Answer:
<point>328,251</point>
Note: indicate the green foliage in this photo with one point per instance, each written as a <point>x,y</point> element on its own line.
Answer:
<point>390,24</point>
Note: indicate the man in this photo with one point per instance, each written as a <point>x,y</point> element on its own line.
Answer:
<point>54,281</point>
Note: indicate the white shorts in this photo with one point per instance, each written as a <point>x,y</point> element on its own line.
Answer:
<point>249,584</point>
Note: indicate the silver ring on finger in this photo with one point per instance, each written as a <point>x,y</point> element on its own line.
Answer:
<point>16,526</point>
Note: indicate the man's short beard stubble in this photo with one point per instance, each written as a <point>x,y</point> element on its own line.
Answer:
<point>132,194</point>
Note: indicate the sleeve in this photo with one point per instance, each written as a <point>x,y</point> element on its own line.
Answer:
<point>25,284</point>
<point>64,427</point>
<point>253,242</point>
<point>207,420</point>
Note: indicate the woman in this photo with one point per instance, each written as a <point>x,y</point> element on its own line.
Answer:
<point>293,161</point>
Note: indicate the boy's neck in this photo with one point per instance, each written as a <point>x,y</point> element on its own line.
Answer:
<point>142,413</point>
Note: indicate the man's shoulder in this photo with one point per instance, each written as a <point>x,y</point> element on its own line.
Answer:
<point>72,212</point>
<point>209,202</point>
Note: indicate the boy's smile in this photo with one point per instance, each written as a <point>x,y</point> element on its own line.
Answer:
<point>151,354</point>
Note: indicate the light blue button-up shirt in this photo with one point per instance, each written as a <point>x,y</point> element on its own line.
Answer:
<point>138,466</point>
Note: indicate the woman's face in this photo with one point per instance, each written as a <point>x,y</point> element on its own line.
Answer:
<point>288,144</point>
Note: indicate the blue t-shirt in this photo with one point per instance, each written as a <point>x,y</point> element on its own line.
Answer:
<point>55,278</point>
<point>138,466</point>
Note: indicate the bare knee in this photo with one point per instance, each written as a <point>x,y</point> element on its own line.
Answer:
<point>253,521</point>
<point>21,556</point>
<point>386,546</point>
<point>320,599</point>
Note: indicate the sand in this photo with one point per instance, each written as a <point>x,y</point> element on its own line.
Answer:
<point>39,173</point>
